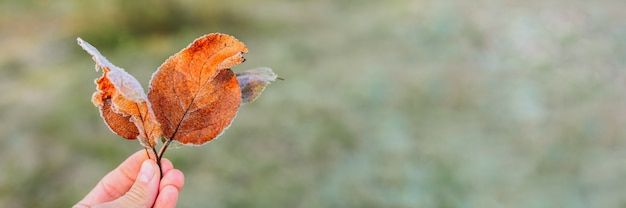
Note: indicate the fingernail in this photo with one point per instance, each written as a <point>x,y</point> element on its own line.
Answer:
<point>147,172</point>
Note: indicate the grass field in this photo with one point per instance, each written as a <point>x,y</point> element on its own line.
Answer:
<point>400,103</point>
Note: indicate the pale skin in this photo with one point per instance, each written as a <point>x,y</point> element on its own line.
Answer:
<point>136,183</point>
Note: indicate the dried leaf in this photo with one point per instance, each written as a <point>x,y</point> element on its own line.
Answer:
<point>194,94</point>
<point>122,102</point>
<point>253,81</point>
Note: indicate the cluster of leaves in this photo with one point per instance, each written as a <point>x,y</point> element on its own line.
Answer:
<point>193,96</point>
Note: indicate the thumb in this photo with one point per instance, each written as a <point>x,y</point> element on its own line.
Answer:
<point>144,191</point>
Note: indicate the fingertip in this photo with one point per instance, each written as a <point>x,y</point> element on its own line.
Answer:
<point>140,155</point>
<point>174,178</point>
<point>131,165</point>
<point>147,171</point>
<point>166,165</point>
<point>167,198</point>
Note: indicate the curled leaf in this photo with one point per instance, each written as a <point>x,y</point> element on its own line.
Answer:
<point>253,81</point>
<point>122,102</point>
<point>195,94</point>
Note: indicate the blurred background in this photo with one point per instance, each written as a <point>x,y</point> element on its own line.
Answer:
<point>398,103</point>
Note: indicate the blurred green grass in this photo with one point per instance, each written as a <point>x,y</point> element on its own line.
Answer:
<point>385,104</point>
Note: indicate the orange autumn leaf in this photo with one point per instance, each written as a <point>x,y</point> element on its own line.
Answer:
<point>195,95</point>
<point>122,102</point>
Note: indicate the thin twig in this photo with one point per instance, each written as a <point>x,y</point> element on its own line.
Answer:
<point>158,161</point>
<point>161,152</point>
<point>163,148</point>
<point>147,153</point>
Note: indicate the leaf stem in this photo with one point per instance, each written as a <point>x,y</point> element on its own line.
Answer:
<point>147,153</point>
<point>161,152</point>
<point>158,161</point>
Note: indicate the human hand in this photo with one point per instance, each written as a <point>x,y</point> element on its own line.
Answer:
<point>136,183</point>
